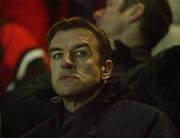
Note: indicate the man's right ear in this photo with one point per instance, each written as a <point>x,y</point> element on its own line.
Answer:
<point>135,12</point>
<point>106,70</point>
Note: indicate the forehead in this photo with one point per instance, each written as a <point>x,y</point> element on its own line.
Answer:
<point>73,37</point>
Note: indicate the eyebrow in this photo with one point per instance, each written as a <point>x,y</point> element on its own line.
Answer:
<point>81,46</point>
<point>54,49</point>
<point>75,47</point>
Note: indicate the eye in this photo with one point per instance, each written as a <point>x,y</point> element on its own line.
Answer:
<point>57,55</point>
<point>81,53</point>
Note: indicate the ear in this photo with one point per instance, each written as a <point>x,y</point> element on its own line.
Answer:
<point>106,70</point>
<point>135,12</point>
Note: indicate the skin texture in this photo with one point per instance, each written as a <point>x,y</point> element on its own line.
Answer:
<point>76,72</point>
<point>123,25</point>
<point>110,19</point>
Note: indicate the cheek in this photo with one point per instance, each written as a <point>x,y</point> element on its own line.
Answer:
<point>93,69</point>
<point>54,65</point>
<point>54,70</point>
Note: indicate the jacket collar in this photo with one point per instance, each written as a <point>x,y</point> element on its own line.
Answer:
<point>112,91</point>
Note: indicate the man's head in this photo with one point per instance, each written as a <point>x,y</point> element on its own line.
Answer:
<point>79,56</point>
<point>120,16</point>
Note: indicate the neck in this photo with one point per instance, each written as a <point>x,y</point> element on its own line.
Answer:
<point>74,103</point>
<point>131,37</point>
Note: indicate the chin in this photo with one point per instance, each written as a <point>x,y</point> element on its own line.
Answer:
<point>65,92</point>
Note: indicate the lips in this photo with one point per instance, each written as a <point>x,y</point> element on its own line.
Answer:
<point>68,77</point>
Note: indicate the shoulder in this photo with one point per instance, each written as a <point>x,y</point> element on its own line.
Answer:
<point>128,106</point>
<point>135,110</point>
<point>134,119</point>
<point>132,113</point>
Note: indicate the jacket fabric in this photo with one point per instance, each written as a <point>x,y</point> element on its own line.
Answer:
<point>110,115</point>
<point>26,107</point>
<point>30,104</point>
<point>157,83</point>
<point>125,59</point>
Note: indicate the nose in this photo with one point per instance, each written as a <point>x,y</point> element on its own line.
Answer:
<point>97,14</point>
<point>67,61</point>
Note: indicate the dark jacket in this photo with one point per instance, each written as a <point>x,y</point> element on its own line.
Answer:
<point>125,59</point>
<point>110,115</point>
<point>26,107</point>
<point>157,83</point>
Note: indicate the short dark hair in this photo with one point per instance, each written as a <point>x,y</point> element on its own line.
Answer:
<point>77,22</point>
<point>155,21</point>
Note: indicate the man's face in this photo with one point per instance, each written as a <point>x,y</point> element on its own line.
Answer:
<point>111,19</point>
<point>74,62</point>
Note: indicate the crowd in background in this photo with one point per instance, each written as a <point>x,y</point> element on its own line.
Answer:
<point>26,24</point>
<point>24,27</point>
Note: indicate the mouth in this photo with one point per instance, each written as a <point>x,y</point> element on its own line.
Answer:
<point>68,77</point>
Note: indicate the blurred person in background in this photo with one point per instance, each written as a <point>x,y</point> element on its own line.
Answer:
<point>134,28</point>
<point>32,15</point>
<point>37,15</point>
<point>21,57</point>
